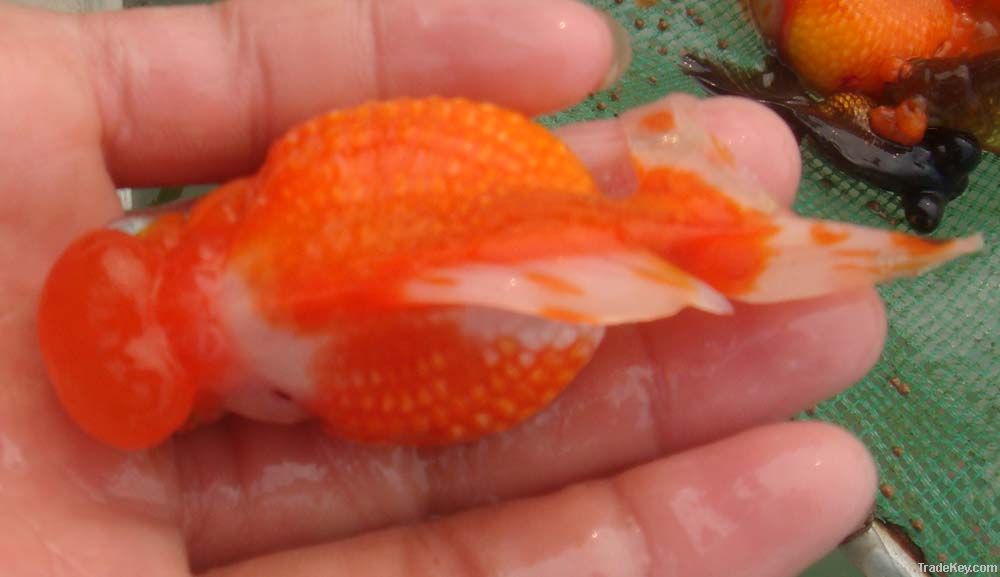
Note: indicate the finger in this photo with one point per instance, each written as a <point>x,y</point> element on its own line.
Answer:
<point>761,142</point>
<point>197,93</point>
<point>740,505</point>
<point>52,180</point>
<point>650,391</point>
<point>716,379</point>
<point>671,385</point>
<point>70,506</point>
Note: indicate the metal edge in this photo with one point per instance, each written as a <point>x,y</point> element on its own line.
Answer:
<point>881,551</point>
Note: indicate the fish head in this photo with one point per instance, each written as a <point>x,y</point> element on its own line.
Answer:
<point>109,359</point>
<point>956,152</point>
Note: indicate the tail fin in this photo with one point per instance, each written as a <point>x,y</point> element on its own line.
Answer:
<point>809,258</point>
<point>710,221</point>
<point>776,85</point>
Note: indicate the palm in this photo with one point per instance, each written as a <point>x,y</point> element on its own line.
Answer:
<point>237,490</point>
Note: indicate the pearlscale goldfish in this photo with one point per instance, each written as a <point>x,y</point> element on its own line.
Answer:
<point>423,272</point>
<point>859,45</point>
<point>863,45</point>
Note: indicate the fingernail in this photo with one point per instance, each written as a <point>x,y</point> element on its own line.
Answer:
<point>621,44</point>
<point>760,141</point>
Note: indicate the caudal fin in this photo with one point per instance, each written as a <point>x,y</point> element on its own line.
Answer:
<point>775,85</point>
<point>701,213</point>
<point>809,258</point>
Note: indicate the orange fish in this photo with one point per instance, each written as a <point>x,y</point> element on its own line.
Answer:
<point>861,45</point>
<point>423,272</point>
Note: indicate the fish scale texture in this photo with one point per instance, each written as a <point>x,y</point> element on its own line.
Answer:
<point>944,327</point>
<point>830,65</point>
<point>471,157</point>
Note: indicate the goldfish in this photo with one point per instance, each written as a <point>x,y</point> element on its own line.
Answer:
<point>926,176</point>
<point>859,45</point>
<point>864,45</point>
<point>423,272</point>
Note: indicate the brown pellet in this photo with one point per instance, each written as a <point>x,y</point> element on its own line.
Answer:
<point>900,386</point>
<point>881,212</point>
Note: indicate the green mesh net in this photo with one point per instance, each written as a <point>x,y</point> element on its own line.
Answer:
<point>929,411</point>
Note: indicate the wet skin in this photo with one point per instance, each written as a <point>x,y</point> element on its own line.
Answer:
<point>680,471</point>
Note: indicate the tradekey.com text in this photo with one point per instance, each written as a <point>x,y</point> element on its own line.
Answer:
<point>959,569</point>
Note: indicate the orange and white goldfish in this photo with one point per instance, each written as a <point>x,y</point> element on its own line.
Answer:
<point>423,272</point>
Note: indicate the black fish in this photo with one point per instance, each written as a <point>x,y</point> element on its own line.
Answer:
<point>961,93</point>
<point>925,176</point>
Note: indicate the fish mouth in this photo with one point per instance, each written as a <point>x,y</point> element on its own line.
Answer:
<point>266,404</point>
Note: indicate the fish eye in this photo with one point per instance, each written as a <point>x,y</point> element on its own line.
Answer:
<point>955,152</point>
<point>924,210</point>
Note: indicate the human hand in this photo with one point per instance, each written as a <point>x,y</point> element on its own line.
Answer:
<point>660,459</point>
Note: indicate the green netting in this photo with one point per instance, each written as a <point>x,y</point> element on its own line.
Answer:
<point>943,331</point>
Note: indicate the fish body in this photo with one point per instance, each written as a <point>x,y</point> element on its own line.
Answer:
<point>926,175</point>
<point>423,272</point>
<point>867,46</point>
<point>859,45</point>
<point>853,45</point>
